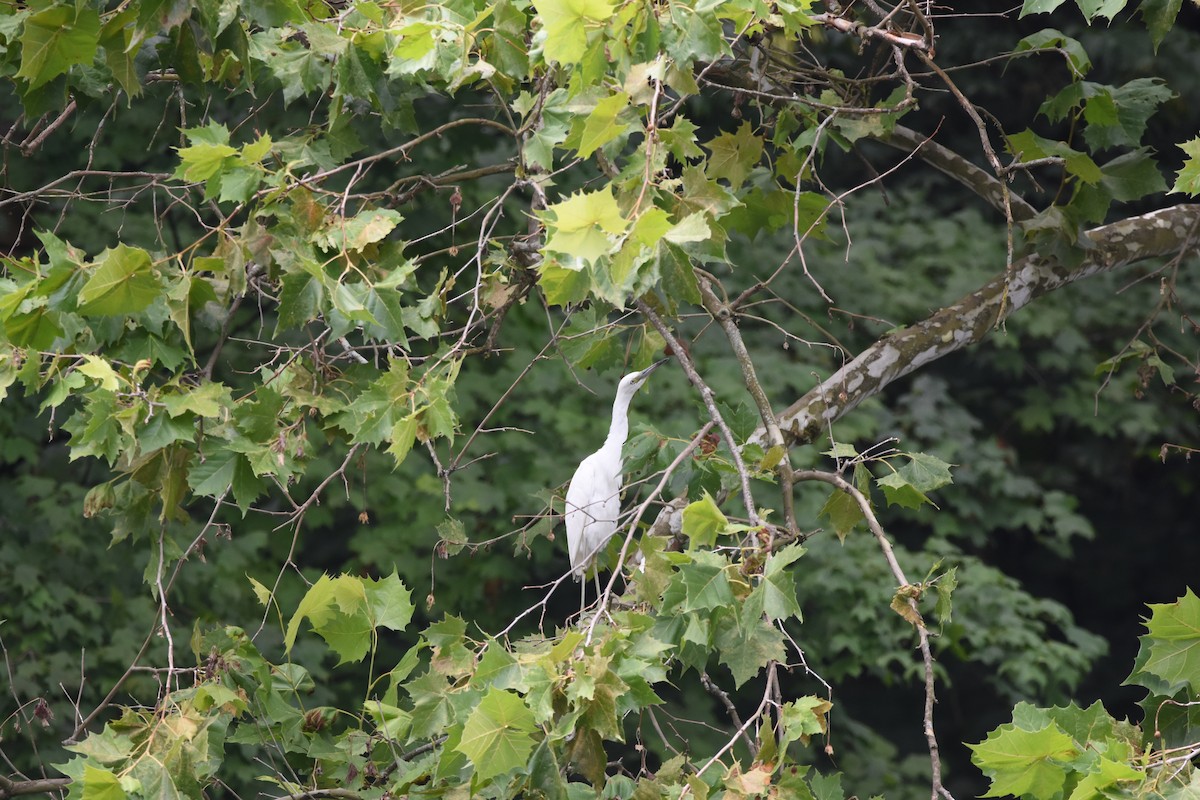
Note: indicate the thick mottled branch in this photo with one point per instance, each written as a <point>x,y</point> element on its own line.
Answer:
<point>970,319</point>
<point>957,168</point>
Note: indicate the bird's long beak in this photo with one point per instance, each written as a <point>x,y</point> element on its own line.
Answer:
<point>646,372</point>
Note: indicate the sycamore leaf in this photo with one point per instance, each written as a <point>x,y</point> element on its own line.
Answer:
<point>582,225</point>
<point>804,718</point>
<point>1159,16</point>
<point>703,522</point>
<point>1188,179</point>
<point>561,285</point>
<point>1028,146</point>
<point>1173,631</point>
<point>101,784</point>
<point>389,602</point>
<point>1025,763</point>
<point>778,585</point>
<point>201,161</point>
<point>733,155</point>
<point>496,736</point>
<point>705,583</point>
<point>748,645</point>
<point>123,283</point>
<point>356,232</point>
<point>566,23</point>
<point>601,126</point>
<point>225,470</point>
<point>56,39</point>
<point>946,584</point>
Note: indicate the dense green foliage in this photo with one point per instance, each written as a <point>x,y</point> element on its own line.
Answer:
<point>298,306</point>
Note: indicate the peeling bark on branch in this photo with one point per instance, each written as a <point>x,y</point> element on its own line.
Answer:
<point>1159,233</point>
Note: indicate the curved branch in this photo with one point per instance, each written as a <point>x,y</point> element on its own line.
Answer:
<point>970,319</point>
<point>954,166</point>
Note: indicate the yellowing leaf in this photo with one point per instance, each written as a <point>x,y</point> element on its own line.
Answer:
<point>584,224</point>
<point>1188,179</point>
<point>100,371</point>
<point>200,162</point>
<point>358,231</point>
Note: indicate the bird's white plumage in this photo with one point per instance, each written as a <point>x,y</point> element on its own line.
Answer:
<point>593,503</point>
<point>593,508</point>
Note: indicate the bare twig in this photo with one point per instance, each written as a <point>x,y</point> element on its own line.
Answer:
<point>724,315</point>
<point>864,505</point>
<point>706,394</point>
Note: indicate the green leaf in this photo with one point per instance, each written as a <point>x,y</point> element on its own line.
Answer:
<point>389,602</point>
<point>733,155</point>
<point>705,582</point>
<point>1025,763</point>
<point>566,22</point>
<point>1039,6</point>
<point>601,126</point>
<point>124,283</point>
<point>1076,55</point>
<point>209,399</point>
<point>1159,16</point>
<point>804,718</point>
<point>496,736</point>
<point>202,161</point>
<point>392,721</point>
<point>778,585</point>
<point>337,610</point>
<point>581,225</point>
<point>907,486</point>
<point>402,437</point>
<point>225,469</point>
<point>1173,631</point>
<point>1117,116</point>
<point>748,645</point>
<point>1028,146</point>
<point>1188,179</point>
<point>56,39</point>
<point>101,784</point>
<point>946,584</point>
<point>703,522</point>
<point>1100,8</point>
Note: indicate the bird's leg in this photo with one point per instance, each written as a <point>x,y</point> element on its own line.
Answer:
<point>582,595</point>
<point>596,575</point>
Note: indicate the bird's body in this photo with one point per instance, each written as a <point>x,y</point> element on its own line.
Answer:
<point>593,504</point>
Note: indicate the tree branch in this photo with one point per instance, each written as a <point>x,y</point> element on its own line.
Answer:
<point>954,166</point>
<point>10,788</point>
<point>973,317</point>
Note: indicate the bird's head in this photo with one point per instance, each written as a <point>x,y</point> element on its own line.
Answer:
<point>634,380</point>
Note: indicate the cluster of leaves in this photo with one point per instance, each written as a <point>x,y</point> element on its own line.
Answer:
<point>473,714</point>
<point>1078,753</point>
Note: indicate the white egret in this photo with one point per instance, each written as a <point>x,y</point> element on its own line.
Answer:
<point>593,504</point>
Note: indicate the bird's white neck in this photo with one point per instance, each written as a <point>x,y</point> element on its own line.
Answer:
<point>619,430</point>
